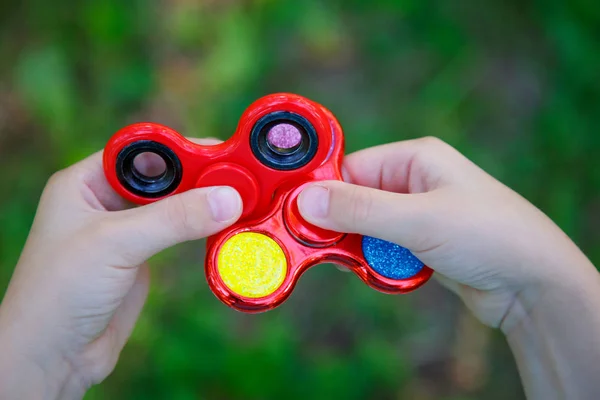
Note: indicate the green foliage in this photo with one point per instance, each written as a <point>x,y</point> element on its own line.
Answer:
<point>512,85</point>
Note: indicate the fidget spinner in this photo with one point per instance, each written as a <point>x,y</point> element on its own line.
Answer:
<point>283,143</point>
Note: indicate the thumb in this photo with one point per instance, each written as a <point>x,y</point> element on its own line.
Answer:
<point>344,207</point>
<point>139,233</point>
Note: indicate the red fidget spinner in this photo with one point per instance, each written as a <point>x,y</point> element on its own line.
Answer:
<point>283,142</point>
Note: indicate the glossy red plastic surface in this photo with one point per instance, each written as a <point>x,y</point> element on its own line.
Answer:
<point>269,197</point>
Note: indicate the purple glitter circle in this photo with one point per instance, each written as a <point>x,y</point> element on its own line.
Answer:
<point>284,137</point>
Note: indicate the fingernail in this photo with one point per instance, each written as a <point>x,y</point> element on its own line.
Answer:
<point>341,268</point>
<point>314,201</point>
<point>224,202</point>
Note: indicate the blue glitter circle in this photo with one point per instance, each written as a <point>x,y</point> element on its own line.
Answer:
<point>389,259</point>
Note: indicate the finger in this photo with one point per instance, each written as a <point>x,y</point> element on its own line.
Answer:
<point>151,164</point>
<point>86,178</point>
<point>411,166</point>
<point>209,141</point>
<point>448,283</point>
<point>344,207</point>
<point>90,172</point>
<point>141,232</point>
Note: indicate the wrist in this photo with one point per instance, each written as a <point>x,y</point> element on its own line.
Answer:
<point>553,329</point>
<point>549,279</point>
<point>23,378</point>
<point>30,368</point>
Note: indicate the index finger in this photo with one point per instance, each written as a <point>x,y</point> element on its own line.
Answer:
<point>92,175</point>
<point>410,166</point>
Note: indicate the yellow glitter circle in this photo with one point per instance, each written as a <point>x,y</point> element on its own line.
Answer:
<point>252,264</point>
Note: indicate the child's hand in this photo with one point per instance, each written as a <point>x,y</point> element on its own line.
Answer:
<point>79,286</point>
<point>510,264</point>
<point>487,243</point>
<point>81,282</point>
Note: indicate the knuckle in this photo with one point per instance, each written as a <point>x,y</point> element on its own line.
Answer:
<point>435,146</point>
<point>433,163</point>
<point>57,179</point>
<point>176,214</point>
<point>182,218</point>
<point>54,188</point>
<point>360,207</point>
<point>432,142</point>
<point>62,180</point>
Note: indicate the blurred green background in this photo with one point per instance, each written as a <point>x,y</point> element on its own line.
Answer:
<point>512,84</point>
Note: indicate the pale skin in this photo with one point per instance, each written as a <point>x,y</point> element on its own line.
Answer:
<point>82,281</point>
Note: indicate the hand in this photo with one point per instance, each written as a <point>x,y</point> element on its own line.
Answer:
<point>80,283</point>
<point>488,244</point>
<point>512,266</point>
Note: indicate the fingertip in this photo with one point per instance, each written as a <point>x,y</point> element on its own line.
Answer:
<point>208,141</point>
<point>139,233</point>
<point>313,202</point>
<point>225,204</point>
